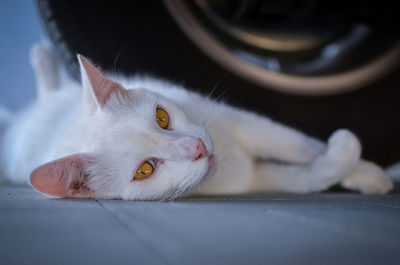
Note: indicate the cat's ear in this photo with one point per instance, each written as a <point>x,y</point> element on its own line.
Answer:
<point>64,177</point>
<point>97,89</point>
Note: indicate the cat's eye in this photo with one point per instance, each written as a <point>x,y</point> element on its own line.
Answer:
<point>144,171</point>
<point>162,118</point>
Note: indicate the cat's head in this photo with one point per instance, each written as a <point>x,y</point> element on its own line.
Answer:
<point>135,144</point>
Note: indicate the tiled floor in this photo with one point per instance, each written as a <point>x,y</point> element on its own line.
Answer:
<point>329,228</point>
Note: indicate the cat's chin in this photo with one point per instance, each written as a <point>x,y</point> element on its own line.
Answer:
<point>211,167</point>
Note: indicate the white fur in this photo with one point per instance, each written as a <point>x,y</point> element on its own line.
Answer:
<point>394,172</point>
<point>125,133</point>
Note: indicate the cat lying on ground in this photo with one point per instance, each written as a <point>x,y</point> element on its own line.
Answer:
<point>147,139</point>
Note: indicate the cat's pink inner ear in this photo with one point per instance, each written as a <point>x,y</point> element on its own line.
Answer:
<point>64,177</point>
<point>101,87</point>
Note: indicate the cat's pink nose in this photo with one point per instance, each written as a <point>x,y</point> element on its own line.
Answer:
<point>201,150</point>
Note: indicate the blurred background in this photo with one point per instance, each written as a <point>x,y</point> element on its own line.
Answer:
<point>19,28</point>
<point>313,65</point>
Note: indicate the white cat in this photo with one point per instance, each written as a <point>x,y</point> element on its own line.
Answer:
<point>146,139</point>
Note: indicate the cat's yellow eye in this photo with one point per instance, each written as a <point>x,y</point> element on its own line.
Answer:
<point>145,170</point>
<point>162,118</point>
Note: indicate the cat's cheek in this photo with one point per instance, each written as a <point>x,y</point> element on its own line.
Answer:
<point>201,170</point>
<point>212,167</point>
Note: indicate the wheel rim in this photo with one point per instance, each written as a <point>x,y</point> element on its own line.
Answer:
<point>261,58</point>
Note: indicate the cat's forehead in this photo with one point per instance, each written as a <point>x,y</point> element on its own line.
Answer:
<point>147,99</point>
<point>146,102</point>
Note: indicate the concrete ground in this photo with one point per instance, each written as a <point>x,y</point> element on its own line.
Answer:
<point>328,228</point>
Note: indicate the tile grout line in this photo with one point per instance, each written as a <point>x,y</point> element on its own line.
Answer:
<point>160,256</point>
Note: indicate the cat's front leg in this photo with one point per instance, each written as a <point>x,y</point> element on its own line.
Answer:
<point>328,168</point>
<point>368,178</point>
<point>263,138</point>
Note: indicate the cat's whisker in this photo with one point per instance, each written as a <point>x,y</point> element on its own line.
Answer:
<point>206,114</point>
<point>210,94</point>
<point>176,192</point>
<point>115,63</point>
<point>213,89</point>
<point>164,197</point>
<point>222,94</point>
<point>168,194</point>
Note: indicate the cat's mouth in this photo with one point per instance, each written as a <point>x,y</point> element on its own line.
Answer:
<point>211,159</point>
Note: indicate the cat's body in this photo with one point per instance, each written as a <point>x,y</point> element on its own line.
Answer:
<point>208,147</point>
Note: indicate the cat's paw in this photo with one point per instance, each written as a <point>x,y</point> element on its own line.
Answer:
<point>344,150</point>
<point>368,178</point>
